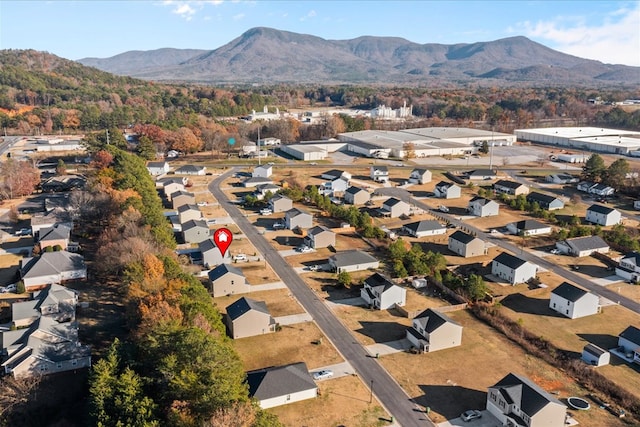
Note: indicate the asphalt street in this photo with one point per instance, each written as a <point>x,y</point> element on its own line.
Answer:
<point>385,388</point>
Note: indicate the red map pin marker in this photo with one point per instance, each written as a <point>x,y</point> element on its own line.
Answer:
<point>222,237</point>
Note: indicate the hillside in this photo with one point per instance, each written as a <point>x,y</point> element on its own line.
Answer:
<point>265,55</point>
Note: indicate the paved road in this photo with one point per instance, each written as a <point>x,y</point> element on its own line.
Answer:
<point>385,388</point>
<point>405,196</point>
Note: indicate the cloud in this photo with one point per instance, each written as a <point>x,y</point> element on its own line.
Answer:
<point>311,14</point>
<point>238,16</point>
<point>187,9</point>
<point>613,39</point>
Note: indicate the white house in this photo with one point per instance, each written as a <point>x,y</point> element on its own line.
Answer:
<point>595,356</point>
<point>297,218</point>
<point>629,340</point>
<point>281,385</point>
<point>561,178</point>
<point>479,206</point>
<point>158,168</point>
<point>379,173</point>
<point>263,171</point>
<point>191,170</point>
<point>447,190</point>
<point>334,188</point>
<point>573,302</point>
<point>629,267</point>
<point>424,228</point>
<point>420,176</point>
<point>636,204</point>
<point>583,246</point>
<point>432,331</point>
<point>512,188</point>
<point>353,260</point>
<point>381,293</point>
<point>601,190</point>
<point>528,227</point>
<point>513,269</point>
<point>603,215</point>
<point>545,201</point>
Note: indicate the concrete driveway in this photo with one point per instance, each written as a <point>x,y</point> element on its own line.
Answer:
<point>339,370</point>
<point>487,420</point>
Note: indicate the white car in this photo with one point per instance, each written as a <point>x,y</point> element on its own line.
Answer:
<point>266,212</point>
<point>23,232</point>
<point>323,375</point>
<point>202,203</point>
<point>240,257</point>
<point>305,249</point>
<point>314,267</point>
<point>9,288</point>
<point>278,226</point>
<point>472,414</point>
<point>443,208</point>
<point>555,251</point>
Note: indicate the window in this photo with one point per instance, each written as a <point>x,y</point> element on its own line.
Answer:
<point>74,362</point>
<point>502,405</point>
<point>568,303</point>
<point>554,305</point>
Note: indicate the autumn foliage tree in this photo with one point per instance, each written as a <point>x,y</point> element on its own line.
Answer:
<point>17,178</point>
<point>185,141</point>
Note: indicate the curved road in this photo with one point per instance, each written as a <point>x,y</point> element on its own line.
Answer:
<point>406,196</point>
<point>385,388</point>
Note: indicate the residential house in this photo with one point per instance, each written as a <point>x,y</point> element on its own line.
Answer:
<point>420,176</point>
<point>573,301</point>
<point>528,227</point>
<point>262,171</point>
<point>545,201</point>
<point>56,236</point>
<point>447,190</point>
<point>481,174</point>
<point>513,269</point>
<point>433,331</point>
<point>511,188</point>
<point>352,261</point>
<point>191,170</point>
<point>297,218</point>
<point>334,188</point>
<point>395,208</point>
<point>479,206</point>
<point>281,385</point>
<point>55,300</point>
<point>161,182</point>
<point>188,213</point>
<point>466,245</point>
<point>211,255</point>
<point>262,190</point>
<point>381,293</point>
<point>182,197</point>
<point>226,279</point>
<point>561,178</point>
<point>51,267</point>
<point>595,356</point>
<point>629,341</point>
<point>254,181</point>
<point>280,203</point>
<point>335,174</point>
<point>320,237</point>
<point>44,347</point>
<point>583,246</point>
<point>603,215</point>
<point>356,196</point>
<point>247,318</point>
<point>158,168</point>
<point>379,173</point>
<point>601,190</point>
<point>424,228</point>
<point>61,183</point>
<point>629,267</point>
<point>50,218</point>
<point>195,231</point>
<point>172,186</point>
<point>517,401</point>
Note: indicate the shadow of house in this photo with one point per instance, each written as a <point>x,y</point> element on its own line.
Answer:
<point>523,304</point>
<point>422,194</point>
<point>382,331</point>
<point>605,341</point>
<point>339,292</point>
<point>289,240</point>
<point>450,400</point>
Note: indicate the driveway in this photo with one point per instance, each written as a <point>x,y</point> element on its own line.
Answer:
<point>339,369</point>
<point>487,420</point>
<point>294,318</point>
<point>389,347</point>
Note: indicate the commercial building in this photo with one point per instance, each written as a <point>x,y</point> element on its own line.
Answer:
<point>595,139</point>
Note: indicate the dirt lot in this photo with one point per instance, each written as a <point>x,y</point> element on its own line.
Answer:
<point>451,388</point>
<point>280,302</point>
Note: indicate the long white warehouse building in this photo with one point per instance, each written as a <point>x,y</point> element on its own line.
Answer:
<point>603,140</point>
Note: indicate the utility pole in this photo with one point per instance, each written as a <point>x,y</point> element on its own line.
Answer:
<point>259,161</point>
<point>491,151</point>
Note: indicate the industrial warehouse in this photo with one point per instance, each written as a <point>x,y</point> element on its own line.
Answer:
<point>613,141</point>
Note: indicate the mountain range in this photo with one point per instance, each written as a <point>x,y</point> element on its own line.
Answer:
<point>265,55</point>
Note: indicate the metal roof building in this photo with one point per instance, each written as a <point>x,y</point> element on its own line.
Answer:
<point>604,140</point>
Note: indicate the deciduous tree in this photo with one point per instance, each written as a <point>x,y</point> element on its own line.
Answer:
<point>17,178</point>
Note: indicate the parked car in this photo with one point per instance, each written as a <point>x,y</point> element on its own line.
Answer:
<point>23,232</point>
<point>314,267</point>
<point>9,288</point>
<point>211,220</point>
<point>443,208</point>
<point>304,249</point>
<point>470,415</point>
<point>202,203</point>
<point>554,251</point>
<point>323,375</point>
<point>266,211</point>
<point>240,257</point>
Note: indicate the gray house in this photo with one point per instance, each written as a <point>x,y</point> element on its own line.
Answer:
<point>629,267</point>
<point>320,237</point>
<point>58,235</point>
<point>583,246</point>
<point>603,215</point>
<point>195,231</point>
<point>281,385</point>
<point>356,196</point>
<point>395,208</point>
<point>188,212</point>
<point>226,279</point>
<point>479,206</point>
<point>247,318</point>
<point>56,301</point>
<point>211,255</point>
<point>466,245</point>
<point>515,398</point>
<point>191,170</point>
<point>51,267</point>
<point>573,302</point>
<point>280,203</point>
<point>182,197</point>
<point>512,188</point>
<point>262,171</point>
<point>420,176</point>
<point>352,261</point>
<point>297,218</point>
<point>545,201</point>
<point>172,186</point>
<point>595,356</point>
<point>381,293</point>
<point>433,331</point>
<point>447,190</point>
<point>528,227</point>
<point>513,269</point>
<point>629,340</point>
<point>424,228</point>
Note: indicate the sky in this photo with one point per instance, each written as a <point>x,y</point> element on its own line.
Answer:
<point>607,31</point>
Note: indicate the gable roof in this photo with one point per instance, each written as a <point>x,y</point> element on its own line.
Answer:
<point>632,256</point>
<point>181,193</point>
<point>379,168</point>
<point>223,269</point>
<point>392,201</point>
<point>482,201</point>
<point>190,168</point>
<point>52,294</point>
<point>569,292</point>
<point>335,173</point>
<point>352,257</point>
<point>525,394</point>
<point>294,212</point>
<point>632,334</point>
<point>508,184</point>
<point>462,237</point>
<point>278,197</point>
<point>509,260</point>
<point>57,232</point>
<point>594,350</point>
<point>318,229</point>
<point>194,223</point>
<point>355,190</point>
<point>443,185</point>
<point>244,305</point>
<point>482,172</point>
<point>377,280</point>
<point>541,198</point>
<point>188,207</point>
<point>257,180</point>
<point>49,263</point>
<point>424,225</point>
<point>431,320</point>
<point>529,224</point>
<point>277,381</point>
<point>605,210</point>
<point>586,243</point>
<point>207,245</point>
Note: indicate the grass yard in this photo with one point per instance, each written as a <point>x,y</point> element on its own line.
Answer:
<point>9,264</point>
<point>280,302</point>
<point>371,326</point>
<point>453,380</point>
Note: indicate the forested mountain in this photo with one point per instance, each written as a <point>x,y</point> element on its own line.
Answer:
<point>265,55</point>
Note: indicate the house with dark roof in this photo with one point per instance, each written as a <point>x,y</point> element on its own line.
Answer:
<point>379,173</point>
<point>424,228</point>
<point>603,215</point>
<point>629,340</point>
<point>447,190</point>
<point>281,385</point>
<point>335,174</point>
<point>297,218</point>
<point>226,279</point>
<point>528,227</point>
<point>191,170</point>
<point>479,174</point>
<point>511,188</point>
<point>161,182</point>
<point>573,302</point>
<point>158,168</point>
<point>263,189</point>
<point>420,176</point>
<point>517,401</point>
<point>352,261</point>
<point>561,178</point>
<point>189,212</point>
<point>280,203</point>
<point>601,190</point>
<point>195,231</point>
<point>513,269</point>
<point>247,318</point>
<point>395,208</point>
<point>479,206</point>
<point>466,245</point>
<point>211,255</point>
<point>356,196</point>
<point>595,356</point>
<point>320,237</point>
<point>629,267</point>
<point>50,218</point>
<point>182,197</point>
<point>381,293</point>
<point>583,246</point>
<point>545,201</point>
<point>171,186</point>
<point>432,331</point>
<point>51,267</point>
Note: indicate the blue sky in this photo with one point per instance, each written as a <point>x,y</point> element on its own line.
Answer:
<point>608,31</point>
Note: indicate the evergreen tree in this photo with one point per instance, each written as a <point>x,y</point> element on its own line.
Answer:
<point>594,168</point>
